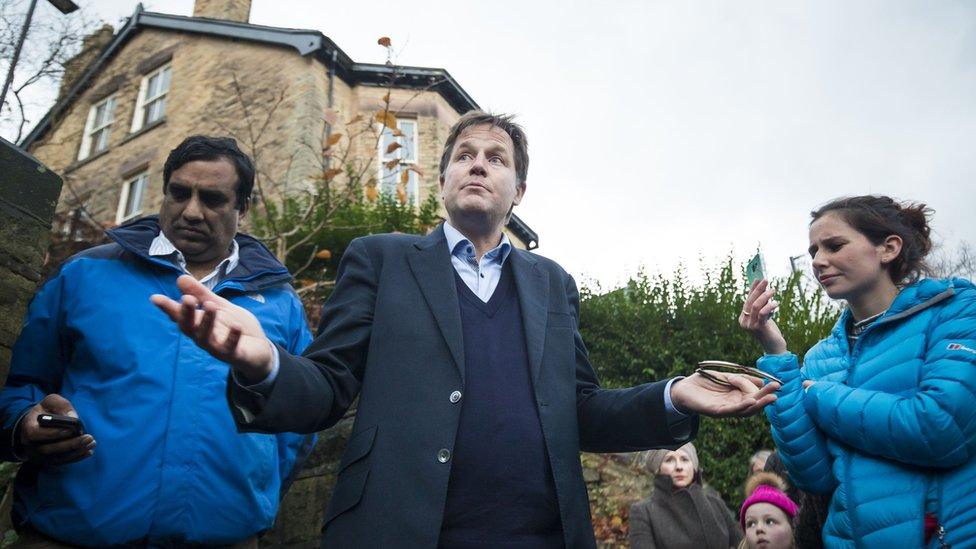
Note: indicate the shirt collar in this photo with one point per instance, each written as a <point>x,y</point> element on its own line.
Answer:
<point>461,247</point>
<point>161,246</point>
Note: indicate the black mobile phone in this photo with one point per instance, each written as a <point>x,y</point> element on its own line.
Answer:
<point>63,422</point>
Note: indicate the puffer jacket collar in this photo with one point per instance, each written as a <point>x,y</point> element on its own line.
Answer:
<point>912,299</point>
<point>258,268</point>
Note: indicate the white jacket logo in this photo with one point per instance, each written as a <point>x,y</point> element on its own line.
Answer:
<point>960,347</point>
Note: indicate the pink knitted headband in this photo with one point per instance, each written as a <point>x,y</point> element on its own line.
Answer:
<point>767,494</point>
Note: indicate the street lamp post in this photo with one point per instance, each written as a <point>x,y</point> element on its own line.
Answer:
<point>64,6</point>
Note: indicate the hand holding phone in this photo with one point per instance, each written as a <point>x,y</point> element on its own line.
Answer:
<point>51,433</point>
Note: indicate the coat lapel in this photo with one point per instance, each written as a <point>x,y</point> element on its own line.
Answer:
<point>532,284</point>
<point>431,266</point>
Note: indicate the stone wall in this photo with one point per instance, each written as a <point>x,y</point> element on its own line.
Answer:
<point>27,199</point>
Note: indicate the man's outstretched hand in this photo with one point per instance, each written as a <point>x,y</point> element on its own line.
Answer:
<point>228,332</point>
<point>746,397</point>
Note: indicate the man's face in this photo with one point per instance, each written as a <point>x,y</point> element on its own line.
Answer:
<point>479,183</point>
<point>199,214</point>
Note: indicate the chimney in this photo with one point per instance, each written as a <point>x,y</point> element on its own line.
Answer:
<point>91,47</point>
<point>228,10</point>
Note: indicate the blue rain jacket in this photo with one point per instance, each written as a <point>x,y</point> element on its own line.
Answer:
<point>170,467</point>
<point>889,426</point>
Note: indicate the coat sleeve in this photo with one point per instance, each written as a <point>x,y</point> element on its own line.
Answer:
<point>801,445</point>
<point>314,390</point>
<point>37,365</point>
<point>640,534</point>
<point>620,420</point>
<point>935,426</point>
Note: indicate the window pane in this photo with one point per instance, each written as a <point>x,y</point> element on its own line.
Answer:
<point>164,80</point>
<point>390,180</point>
<point>409,150</point>
<point>100,114</point>
<point>385,141</point>
<point>100,140</point>
<point>413,187</point>
<point>136,188</point>
<point>155,110</point>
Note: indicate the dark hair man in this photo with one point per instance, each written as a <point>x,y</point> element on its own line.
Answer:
<point>170,468</point>
<point>475,390</point>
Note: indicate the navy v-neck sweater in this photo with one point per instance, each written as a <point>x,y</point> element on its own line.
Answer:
<point>501,491</point>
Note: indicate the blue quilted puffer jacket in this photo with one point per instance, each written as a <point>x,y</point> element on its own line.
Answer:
<point>889,426</point>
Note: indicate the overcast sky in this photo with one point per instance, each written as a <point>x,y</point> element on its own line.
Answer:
<point>665,132</point>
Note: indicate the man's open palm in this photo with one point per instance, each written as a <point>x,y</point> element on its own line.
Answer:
<point>228,332</point>
<point>745,396</point>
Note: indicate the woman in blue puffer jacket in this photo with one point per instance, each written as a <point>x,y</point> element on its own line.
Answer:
<point>883,411</point>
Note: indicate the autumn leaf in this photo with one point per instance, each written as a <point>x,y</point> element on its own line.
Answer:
<point>391,164</point>
<point>371,193</point>
<point>392,147</point>
<point>331,173</point>
<point>386,118</point>
<point>324,254</point>
<point>384,41</point>
<point>355,119</point>
<point>334,138</point>
<point>616,521</point>
<point>401,194</point>
<point>386,98</point>
<point>396,132</point>
<point>416,169</point>
<point>331,117</point>
<point>404,177</point>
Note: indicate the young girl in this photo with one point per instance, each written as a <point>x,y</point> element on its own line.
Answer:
<point>883,413</point>
<point>767,514</point>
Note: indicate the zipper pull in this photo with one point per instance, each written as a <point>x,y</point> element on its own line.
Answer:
<point>941,534</point>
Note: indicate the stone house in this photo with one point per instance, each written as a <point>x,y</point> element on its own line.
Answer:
<point>133,95</point>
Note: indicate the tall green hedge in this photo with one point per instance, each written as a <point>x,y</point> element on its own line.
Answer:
<point>655,327</point>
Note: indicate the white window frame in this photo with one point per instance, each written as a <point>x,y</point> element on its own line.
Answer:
<point>93,128</point>
<point>413,179</point>
<point>127,186</point>
<point>143,102</point>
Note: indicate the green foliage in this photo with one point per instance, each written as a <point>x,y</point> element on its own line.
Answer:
<point>330,228</point>
<point>656,327</point>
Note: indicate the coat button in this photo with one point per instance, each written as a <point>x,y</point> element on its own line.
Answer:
<point>455,397</point>
<point>443,455</point>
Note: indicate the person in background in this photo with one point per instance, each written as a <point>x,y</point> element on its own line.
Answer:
<point>812,516</point>
<point>680,513</point>
<point>767,514</point>
<point>757,462</point>
<point>881,413</point>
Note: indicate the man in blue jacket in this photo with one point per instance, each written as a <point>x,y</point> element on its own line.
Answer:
<point>169,468</point>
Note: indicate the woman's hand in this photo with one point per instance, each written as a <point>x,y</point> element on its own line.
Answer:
<point>755,318</point>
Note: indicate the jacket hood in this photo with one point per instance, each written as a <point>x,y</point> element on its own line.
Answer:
<point>258,267</point>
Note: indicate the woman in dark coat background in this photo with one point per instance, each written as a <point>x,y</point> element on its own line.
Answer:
<point>680,513</point>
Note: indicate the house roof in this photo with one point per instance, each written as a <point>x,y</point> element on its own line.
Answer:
<point>305,42</point>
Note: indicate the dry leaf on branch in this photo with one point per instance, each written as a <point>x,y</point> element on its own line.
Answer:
<point>392,147</point>
<point>371,193</point>
<point>386,118</point>
<point>404,177</point>
<point>355,119</point>
<point>324,254</point>
<point>384,41</point>
<point>391,164</point>
<point>416,169</point>
<point>334,138</point>
<point>331,173</point>
<point>386,98</point>
<point>396,132</point>
<point>401,194</point>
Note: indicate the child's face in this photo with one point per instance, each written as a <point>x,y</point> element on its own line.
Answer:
<point>768,527</point>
